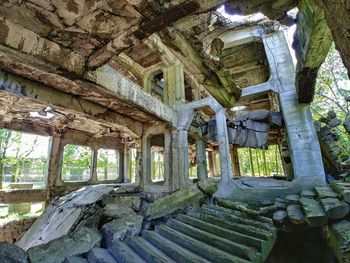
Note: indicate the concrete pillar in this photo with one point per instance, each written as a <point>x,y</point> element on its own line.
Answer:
<point>211,164</point>
<point>126,163</point>
<point>224,149</point>
<point>202,171</point>
<point>175,85</point>
<point>182,149</point>
<point>303,144</point>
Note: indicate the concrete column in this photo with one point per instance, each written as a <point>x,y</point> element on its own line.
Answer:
<point>182,149</point>
<point>126,164</point>
<point>202,171</point>
<point>211,164</point>
<point>303,144</point>
<point>224,149</point>
<point>175,85</point>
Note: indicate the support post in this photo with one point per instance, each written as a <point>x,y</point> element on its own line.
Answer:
<point>235,162</point>
<point>202,171</point>
<point>224,150</point>
<point>211,164</point>
<point>126,164</point>
<point>182,144</point>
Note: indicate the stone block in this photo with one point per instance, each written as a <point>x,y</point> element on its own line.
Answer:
<point>208,186</point>
<point>325,192</point>
<point>292,199</point>
<point>75,259</point>
<point>121,228</point>
<point>295,214</point>
<point>100,255</point>
<point>314,212</point>
<point>10,253</point>
<point>280,217</point>
<point>339,240</point>
<point>76,243</point>
<point>334,208</point>
<point>169,204</point>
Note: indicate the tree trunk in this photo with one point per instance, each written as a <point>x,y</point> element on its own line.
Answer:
<point>3,155</point>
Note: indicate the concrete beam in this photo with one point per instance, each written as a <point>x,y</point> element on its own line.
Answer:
<point>26,88</point>
<point>312,40</point>
<point>131,93</point>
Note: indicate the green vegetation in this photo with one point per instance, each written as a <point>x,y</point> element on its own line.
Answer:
<point>333,93</point>
<point>77,163</point>
<point>256,162</point>
<point>18,163</point>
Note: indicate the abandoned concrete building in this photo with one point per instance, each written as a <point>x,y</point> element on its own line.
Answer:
<point>137,117</point>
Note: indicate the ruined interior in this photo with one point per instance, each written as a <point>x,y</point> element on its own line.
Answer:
<point>145,114</point>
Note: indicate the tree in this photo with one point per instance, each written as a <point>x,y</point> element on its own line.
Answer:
<point>4,145</point>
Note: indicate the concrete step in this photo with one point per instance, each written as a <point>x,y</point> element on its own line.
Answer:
<point>176,252</point>
<point>124,254</point>
<point>262,219</point>
<point>226,215</point>
<point>233,248</point>
<point>231,225</point>
<point>260,245</point>
<point>203,249</point>
<point>100,255</point>
<point>147,251</point>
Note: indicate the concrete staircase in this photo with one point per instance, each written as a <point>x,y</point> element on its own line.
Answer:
<point>208,234</point>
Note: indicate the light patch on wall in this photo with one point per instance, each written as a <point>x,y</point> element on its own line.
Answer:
<point>47,114</point>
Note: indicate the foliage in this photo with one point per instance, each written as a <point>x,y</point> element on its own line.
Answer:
<point>16,158</point>
<point>333,93</point>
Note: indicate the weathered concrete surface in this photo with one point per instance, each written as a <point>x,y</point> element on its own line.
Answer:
<point>339,240</point>
<point>10,253</point>
<point>312,40</point>
<point>171,203</point>
<point>130,92</point>
<point>61,216</point>
<point>334,208</point>
<point>78,242</point>
<point>295,214</point>
<point>121,228</point>
<point>314,212</point>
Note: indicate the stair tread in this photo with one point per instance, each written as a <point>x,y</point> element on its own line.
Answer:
<point>222,232</point>
<point>124,254</point>
<point>221,243</point>
<point>250,230</point>
<point>209,252</point>
<point>245,221</point>
<point>100,255</point>
<point>172,249</point>
<point>147,251</point>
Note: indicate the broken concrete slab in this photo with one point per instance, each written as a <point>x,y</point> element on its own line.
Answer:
<point>339,240</point>
<point>280,217</point>
<point>100,255</point>
<point>171,203</point>
<point>121,228</point>
<point>62,215</point>
<point>343,189</point>
<point>334,208</point>
<point>10,253</point>
<point>75,243</point>
<point>325,192</point>
<point>292,199</point>
<point>133,201</point>
<point>314,212</point>
<point>308,194</point>
<point>295,214</point>
<point>208,186</point>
